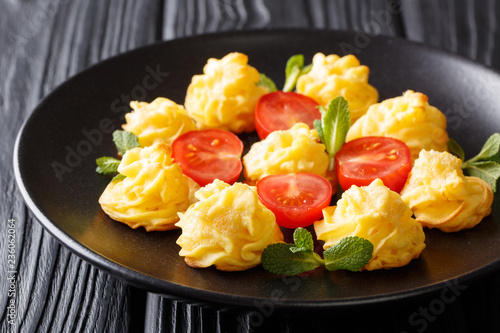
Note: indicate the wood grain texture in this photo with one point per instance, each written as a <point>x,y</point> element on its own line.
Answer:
<point>428,313</point>
<point>466,27</point>
<point>44,43</point>
<point>194,17</point>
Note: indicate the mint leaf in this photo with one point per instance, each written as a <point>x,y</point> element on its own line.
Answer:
<point>266,82</point>
<point>107,165</point>
<point>351,253</point>
<point>456,149</point>
<point>489,171</point>
<point>125,141</point>
<point>294,63</point>
<point>490,149</point>
<point>305,70</point>
<point>319,128</point>
<point>293,70</point>
<point>279,259</point>
<point>118,177</point>
<point>495,158</point>
<point>292,259</point>
<point>486,164</point>
<point>335,122</point>
<point>303,240</point>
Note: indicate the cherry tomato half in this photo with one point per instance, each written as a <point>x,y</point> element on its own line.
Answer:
<point>281,110</point>
<point>209,154</point>
<point>295,199</point>
<point>361,161</point>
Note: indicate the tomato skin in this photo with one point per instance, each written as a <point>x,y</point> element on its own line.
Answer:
<point>361,161</point>
<point>295,199</point>
<point>281,110</point>
<point>209,154</point>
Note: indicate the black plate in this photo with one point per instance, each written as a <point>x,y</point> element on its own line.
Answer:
<point>72,127</point>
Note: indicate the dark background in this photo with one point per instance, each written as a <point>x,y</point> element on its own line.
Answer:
<point>44,42</point>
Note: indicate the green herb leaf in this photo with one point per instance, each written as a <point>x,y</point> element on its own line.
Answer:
<point>107,165</point>
<point>266,82</point>
<point>125,140</point>
<point>495,158</point>
<point>319,128</point>
<point>486,164</point>
<point>456,149</point>
<point>279,259</point>
<point>118,177</point>
<point>489,171</point>
<point>303,240</point>
<point>294,62</point>
<point>351,253</point>
<point>305,70</point>
<point>333,127</point>
<point>293,70</point>
<point>490,149</point>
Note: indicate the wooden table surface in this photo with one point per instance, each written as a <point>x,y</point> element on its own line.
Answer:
<point>44,42</point>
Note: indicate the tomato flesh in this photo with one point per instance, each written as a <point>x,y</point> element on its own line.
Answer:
<point>361,161</point>
<point>295,199</point>
<point>281,110</point>
<point>208,155</point>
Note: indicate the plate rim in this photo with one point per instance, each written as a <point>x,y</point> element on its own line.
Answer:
<point>173,290</point>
